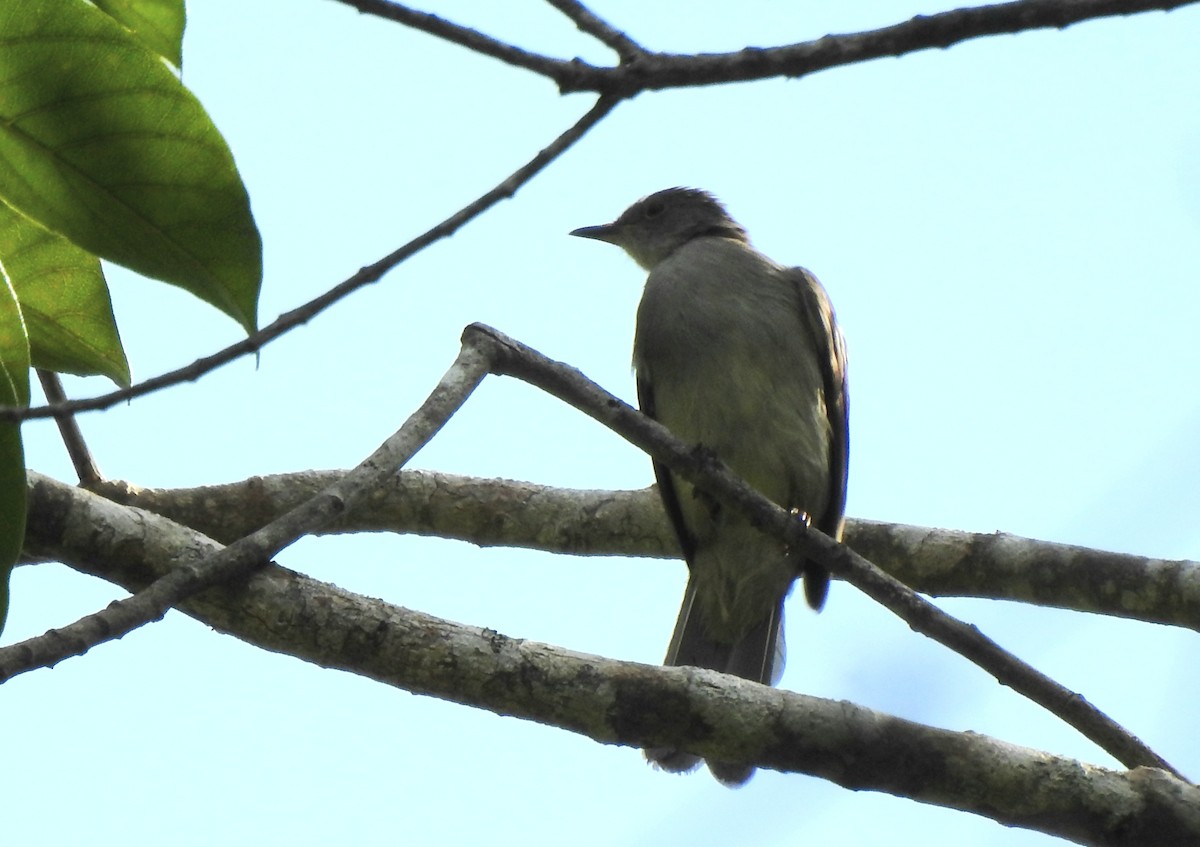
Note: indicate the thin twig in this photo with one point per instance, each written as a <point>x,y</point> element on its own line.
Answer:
<point>589,23</point>
<point>510,357</point>
<point>371,273</point>
<point>257,548</point>
<point>472,39</point>
<point>85,465</point>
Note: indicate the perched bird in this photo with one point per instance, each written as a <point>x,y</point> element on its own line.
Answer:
<point>744,357</point>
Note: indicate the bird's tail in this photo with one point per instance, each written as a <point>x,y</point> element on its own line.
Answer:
<point>816,584</point>
<point>758,656</point>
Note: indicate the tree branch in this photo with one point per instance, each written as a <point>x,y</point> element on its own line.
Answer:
<point>81,457</point>
<point>472,39</point>
<point>613,38</point>
<point>256,549</point>
<point>641,70</point>
<point>511,358</point>
<point>621,702</point>
<point>501,512</point>
<point>485,349</point>
<point>657,71</point>
<point>1008,567</point>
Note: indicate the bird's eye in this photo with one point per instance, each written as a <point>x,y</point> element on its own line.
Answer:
<point>653,210</point>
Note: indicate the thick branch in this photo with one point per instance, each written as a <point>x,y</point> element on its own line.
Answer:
<point>502,512</point>
<point>622,702</point>
<point>486,512</point>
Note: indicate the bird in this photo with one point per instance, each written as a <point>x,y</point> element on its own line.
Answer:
<point>744,357</point>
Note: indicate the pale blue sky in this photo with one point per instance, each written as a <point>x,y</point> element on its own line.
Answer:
<point>1009,230</point>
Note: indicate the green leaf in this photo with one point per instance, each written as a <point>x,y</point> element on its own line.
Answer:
<point>64,301</point>
<point>158,23</point>
<point>14,391</point>
<point>14,347</point>
<point>101,143</point>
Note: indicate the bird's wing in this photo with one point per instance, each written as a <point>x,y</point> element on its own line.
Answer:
<point>666,484</point>
<point>817,312</point>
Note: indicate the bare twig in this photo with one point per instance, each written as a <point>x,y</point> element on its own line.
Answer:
<point>255,549</point>
<point>472,39</point>
<point>586,21</point>
<point>81,457</point>
<point>371,273</point>
<point>512,358</point>
<point>623,702</point>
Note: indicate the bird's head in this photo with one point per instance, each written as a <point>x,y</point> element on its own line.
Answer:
<point>656,226</point>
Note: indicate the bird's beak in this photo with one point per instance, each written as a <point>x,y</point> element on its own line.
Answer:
<point>604,232</point>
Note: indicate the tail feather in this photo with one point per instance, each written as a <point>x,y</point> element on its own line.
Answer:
<point>816,585</point>
<point>690,645</point>
<point>758,656</point>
